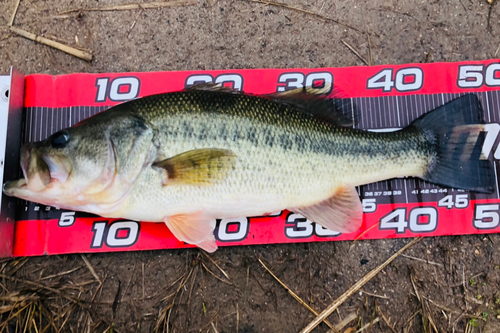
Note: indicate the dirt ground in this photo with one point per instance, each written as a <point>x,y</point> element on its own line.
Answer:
<point>457,279</point>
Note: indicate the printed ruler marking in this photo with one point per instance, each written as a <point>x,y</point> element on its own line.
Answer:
<point>496,177</point>
<point>488,107</point>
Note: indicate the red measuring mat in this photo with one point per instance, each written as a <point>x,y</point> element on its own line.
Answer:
<point>386,97</point>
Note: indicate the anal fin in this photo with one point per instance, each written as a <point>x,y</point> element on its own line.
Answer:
<point>341,212</point>
<point>194,229</point>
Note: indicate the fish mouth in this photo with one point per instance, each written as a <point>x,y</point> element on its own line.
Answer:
<point>12,188</point>
<point>36,171</point>
<point>44,174</point>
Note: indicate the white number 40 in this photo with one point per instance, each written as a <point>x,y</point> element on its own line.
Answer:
<point>405,79</point>
<point>421,219</point>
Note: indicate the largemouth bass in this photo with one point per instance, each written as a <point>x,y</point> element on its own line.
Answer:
<point>188,157</point>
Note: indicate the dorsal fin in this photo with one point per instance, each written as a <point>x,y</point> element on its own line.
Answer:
<point>210,86</point>
<point>330,107</point>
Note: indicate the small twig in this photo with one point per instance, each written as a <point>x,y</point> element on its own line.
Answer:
<point>78,285</point>
<point>15,297</point>
<point>323,5</point>
<point>132,6</point>
<point>432,322</point>
<point>213,262</point>
<point>428,57</point>
<point>442,307</point>
<point>39,285</point>
<point>413,316</point>
<point>45,41</point>
<point>422,260</point>
<point>415,288</point>
<point>114,306</point>
<point>376,320</point>
<point>355,52</point>
<point>167,288</point>
<point>475,276</point>
<point>214,318</point>
<point>3,287</point>
<point>474,300</point>
<point>363,233</point>
<point>496,52</point>
<point>338,312</point>
<point>143,293</point>
<point>294,295</point>
<point>59,17</point>
<point>59,274</point>
<point>318,16</point>
<point>189,297</point>
<point>459,318</point>
<point>13,17</point>
<point>89,266</point>
<point>374,295</point>
<point>3,266</point>
<point>18,266</point>
<point>488,20</point>
<point>181,286</point>
<point>467,306</point>
<point>215,276</point>
<point>135,21</point>
<point>15,314</point>
<point>344,322</point>
<point>237,318</point>
<point>65,41</point>
<point>355,288</point>
<point>463,6</point>
<point>97,291</point>
<point>77,301</point>
<point>385,319</point>
<point>128,283</point>
<point>424,317</point>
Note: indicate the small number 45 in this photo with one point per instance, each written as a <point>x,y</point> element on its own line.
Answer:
<point>461,201</point>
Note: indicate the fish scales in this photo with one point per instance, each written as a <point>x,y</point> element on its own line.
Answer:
<point>286,157</point>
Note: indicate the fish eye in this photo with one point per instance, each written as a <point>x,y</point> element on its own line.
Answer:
<point>60,139</point>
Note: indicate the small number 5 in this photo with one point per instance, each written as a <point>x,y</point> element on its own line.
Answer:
<point>67,219</point>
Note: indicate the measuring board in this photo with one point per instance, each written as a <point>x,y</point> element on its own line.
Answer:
<point>386,98</point>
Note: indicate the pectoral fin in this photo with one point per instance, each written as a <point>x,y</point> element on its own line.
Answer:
<point>194,229</point>
<point>197,167</point>
<point>342,212</point>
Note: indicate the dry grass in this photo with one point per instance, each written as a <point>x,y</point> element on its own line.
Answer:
<point>46,304</point>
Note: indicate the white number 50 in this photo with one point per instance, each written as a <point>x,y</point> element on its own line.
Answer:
<point>486,216</point>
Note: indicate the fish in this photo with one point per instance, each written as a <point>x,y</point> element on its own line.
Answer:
<point>189,157</point>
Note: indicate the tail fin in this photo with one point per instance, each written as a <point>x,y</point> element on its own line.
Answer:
<point>456,130</point>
